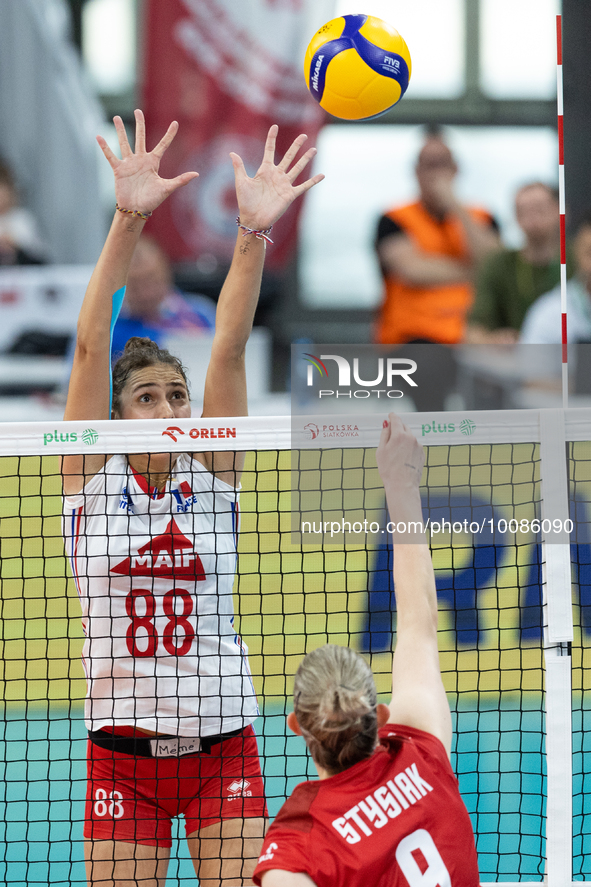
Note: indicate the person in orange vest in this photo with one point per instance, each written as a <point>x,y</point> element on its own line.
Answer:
<point>428,252</point>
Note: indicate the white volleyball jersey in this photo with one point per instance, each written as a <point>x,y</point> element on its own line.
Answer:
<point>154,573</point>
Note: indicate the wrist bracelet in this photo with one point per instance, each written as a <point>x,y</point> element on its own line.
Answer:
<point>260,235</point>
<point>133,212</point>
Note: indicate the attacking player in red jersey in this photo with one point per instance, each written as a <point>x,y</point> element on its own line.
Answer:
<point>386,810</point>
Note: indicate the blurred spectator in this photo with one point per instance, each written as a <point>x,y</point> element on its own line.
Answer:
<point>20,243</point>
<point>511,280</point>
<point>543,323</point>
<point>152,306</point>
<point>428,253</point>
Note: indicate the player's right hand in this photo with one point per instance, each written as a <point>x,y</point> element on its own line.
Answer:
<point>137,183</point>
<point>400,456</point>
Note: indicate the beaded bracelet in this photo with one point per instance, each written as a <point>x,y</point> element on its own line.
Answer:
<point>134,212</point>
<point>261,235</point>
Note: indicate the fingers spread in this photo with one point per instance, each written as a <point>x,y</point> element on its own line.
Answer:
<point>166,139</point>
<point>305,186</point>
<point>181,180</point>
<point>291,152</point>
<point>238,164</point>
<point>269,154</point>
<point>112,158</point>
<point>122,135</point>
<point>140,132</point>
<point>301,164</point>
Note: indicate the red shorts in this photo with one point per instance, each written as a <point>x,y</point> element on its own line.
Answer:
<point>134,799</point>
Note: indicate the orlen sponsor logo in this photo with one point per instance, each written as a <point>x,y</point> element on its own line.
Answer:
<point>269,853</point>
<point>204,433</point>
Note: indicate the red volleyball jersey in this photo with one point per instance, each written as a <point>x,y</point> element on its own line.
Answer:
<point>393,820</point>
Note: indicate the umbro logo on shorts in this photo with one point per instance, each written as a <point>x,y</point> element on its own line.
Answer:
<point>239,789</point>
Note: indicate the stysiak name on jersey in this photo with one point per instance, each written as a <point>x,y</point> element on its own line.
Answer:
<point>385,803</point>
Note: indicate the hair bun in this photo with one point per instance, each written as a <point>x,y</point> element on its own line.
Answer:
<point>140,343</point>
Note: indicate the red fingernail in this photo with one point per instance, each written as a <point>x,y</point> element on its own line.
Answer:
<point>385,425</point>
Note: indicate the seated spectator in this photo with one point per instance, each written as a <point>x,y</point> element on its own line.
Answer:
<point>152,306</point>
<point>543,321</point>
<point>511,280</point>
<point>428,252</point>
<point>20,243</point>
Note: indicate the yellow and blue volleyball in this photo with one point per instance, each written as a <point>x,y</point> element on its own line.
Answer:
<point>357,66</point>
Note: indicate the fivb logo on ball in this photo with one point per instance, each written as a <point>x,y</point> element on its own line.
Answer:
<point>385,371</point>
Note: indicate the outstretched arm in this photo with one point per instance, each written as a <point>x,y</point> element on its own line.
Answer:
<point>418,695</point>
<point>137,187</point>
<point>262,200</point>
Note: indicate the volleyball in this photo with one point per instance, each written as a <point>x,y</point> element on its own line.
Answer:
<point>357,67</point>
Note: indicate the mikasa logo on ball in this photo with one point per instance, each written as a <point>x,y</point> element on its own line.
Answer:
<point>316,75</point>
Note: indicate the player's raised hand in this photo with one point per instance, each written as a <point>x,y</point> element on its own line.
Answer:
<point>137,183</point>
<point>400,456</point>
<point>264,198</point>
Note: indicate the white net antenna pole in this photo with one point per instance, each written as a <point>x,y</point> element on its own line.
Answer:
<point>558,636</point>
<point>562,201</point>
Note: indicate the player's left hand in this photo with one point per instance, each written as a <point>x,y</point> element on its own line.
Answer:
<point>264,198</point>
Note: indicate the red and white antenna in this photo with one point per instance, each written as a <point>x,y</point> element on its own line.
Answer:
<point>562,207</point>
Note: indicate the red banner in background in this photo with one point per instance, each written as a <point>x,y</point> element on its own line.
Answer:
<point>226,70</point>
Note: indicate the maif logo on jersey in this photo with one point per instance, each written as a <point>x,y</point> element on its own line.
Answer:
<point>170,555</point>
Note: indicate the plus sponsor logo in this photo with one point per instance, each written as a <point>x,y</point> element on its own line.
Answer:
<point>466,427</point>
<point>238,789</point>
<point>349,382</point>
<point>89,437</point>
<point>168,556</point>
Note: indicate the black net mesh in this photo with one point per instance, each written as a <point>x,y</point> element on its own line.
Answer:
<point>289,598</point>
<point>580,504</point>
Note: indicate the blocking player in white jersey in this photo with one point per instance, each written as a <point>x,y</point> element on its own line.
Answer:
<point>152,543</point>
<point>386,810</point>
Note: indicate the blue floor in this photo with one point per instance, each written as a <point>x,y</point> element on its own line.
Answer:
<point>498,759</point>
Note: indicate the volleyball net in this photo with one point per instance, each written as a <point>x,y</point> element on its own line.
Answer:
<point>506,496</point>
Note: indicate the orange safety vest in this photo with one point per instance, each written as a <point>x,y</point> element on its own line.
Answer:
<point>437,313</point>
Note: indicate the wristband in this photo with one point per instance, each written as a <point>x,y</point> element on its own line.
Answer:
<point>134,212</point>
<point>260,235</point>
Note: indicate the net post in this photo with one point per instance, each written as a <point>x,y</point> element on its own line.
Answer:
<point>562,209</point>
<point>558,636</point>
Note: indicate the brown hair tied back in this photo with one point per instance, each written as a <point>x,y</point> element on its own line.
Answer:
<point>335,703</point>
<point>140,352</point>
